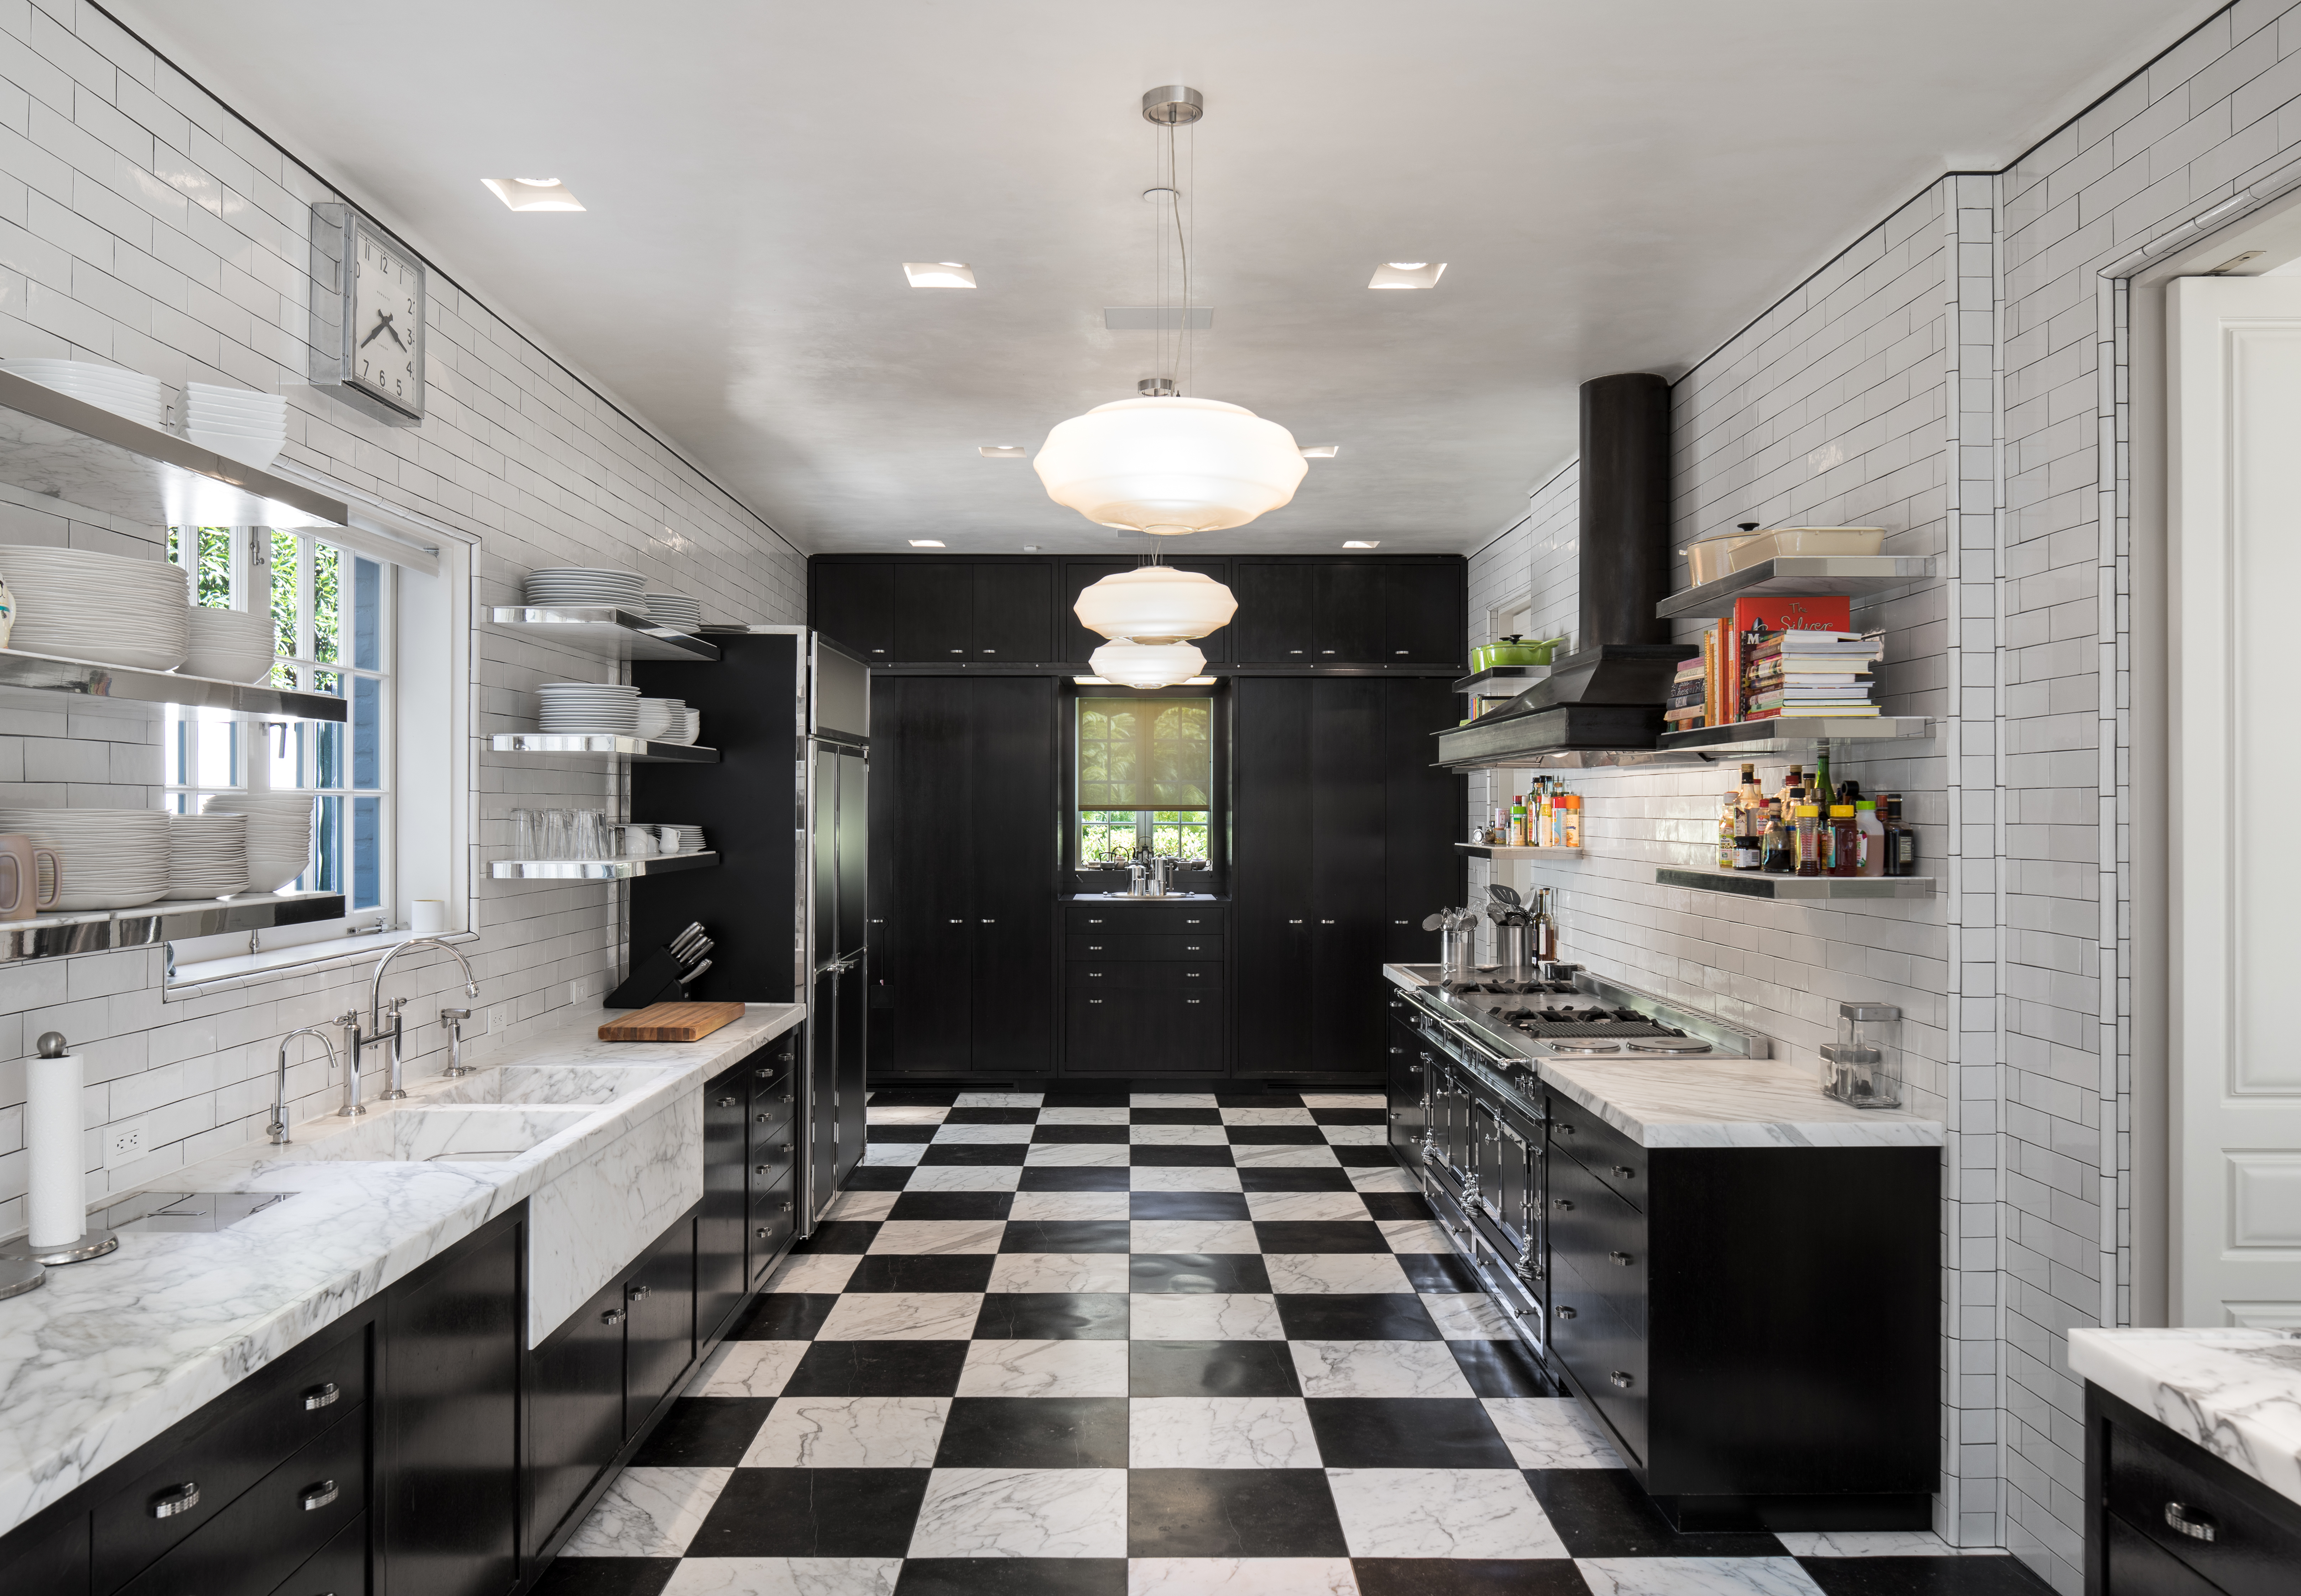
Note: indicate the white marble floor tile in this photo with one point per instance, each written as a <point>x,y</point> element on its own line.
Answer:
<point>965,1177</point>
<point>946,1134</point>
<point>1367,1180</point>
<point>1219,1432</point>
<point>901,1316</point>
<point>1863,1544</point>
<point>894,1154</point>
<point>849,1432</point>
<point>649,1513</point>
<point>1076,1155</point>
<point>1414,1235</point>
<point>1306,1205</point>
<point>1355,1135</point>
<point>1083,1117</point>
<point>747,1370</point>
<point>1059,1272</point>
<point>785,1576</point>
<point>1173,1099</point>
<point>1142,1178</point>
<point>1023,1513</point>
<point>861,1205</point>
<point>1177,1136</point>
<point>906,1115</point>
<point>1551,1432</point>
<point>1343,1099</point>
<point>1380,1369</point>
<point>1694,1576</point>
<point>1467,1315</point>
<point>1070,1204</point>
<point>1440,1513</point>
<point>1266,1116</point>
<point>938,1235</point>
<point>1346,1272</point>
<point>1191,1235</point>
<point>1251,1156</point>
<point>1240,1576</point>
<point>814,1272</point>
<point>1203,1316</point>
<point>1068,1368</point>
<point>1000,1100</point>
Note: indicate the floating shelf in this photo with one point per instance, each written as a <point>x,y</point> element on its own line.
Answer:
<point>1751,883</point>
<point>600,630</point>
<point>1796,576</point>
<point>209,699</point>
<point>53,444</point>
<point>597,869</point>
<point>1774,736</point>
<point>1494,850</point>
<point>148,925</point>
<point>638,750</point>
<point>1507,680</point>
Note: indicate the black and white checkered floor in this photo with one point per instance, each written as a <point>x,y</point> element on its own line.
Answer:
<point>1070,1344</point>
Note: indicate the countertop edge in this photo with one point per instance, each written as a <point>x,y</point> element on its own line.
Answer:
<point>2215,1403</point>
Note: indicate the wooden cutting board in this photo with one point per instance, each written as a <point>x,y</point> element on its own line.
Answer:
<point>670,1023</point>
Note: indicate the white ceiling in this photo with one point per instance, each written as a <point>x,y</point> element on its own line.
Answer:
<point>1616,185</point>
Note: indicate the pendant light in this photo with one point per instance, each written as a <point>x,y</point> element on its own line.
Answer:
<point>1155,603</point>
<point>1147,664</point>
<point>1161,462</point>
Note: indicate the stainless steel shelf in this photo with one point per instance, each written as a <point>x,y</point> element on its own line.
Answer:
<point>1507,681</point>
<point>53,444</point>
<point>1750,883</point>
<point>638,750</point>
<point>148,925</point>
<point>1777,735</point>
<point>1490,850</point>
<point>1796,576</point>
<point>597,869</point>
<point>600,630</point>
<point>224,701</point>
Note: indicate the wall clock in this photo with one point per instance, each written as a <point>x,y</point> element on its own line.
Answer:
<point>367,316</point>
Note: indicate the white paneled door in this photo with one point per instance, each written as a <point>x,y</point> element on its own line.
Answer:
<point>2234,523</point>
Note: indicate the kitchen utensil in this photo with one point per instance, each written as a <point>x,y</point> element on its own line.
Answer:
<point>691,976</point>
<point>1784,541</point>
<point>671,1022</point>
<point>1503,892</point>
<point>1520,651</point>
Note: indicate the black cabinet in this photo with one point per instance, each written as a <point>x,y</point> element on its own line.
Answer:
<point>719,1278</point>
<point>1404,1077</point>
<point>770,1181</point>
<point>575,1411</point>
<point>2165,1517</point>
<point>994,610</point>
<point>1144,989</point>
<point>269,1530</point>
<point>659,1335</point>
<point>1079,644</point>
<point>1348,612</point>
<point>854,605</point>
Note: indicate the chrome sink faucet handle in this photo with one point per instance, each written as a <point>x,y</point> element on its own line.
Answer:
<point>277,1128</point>
<point>353,1043</point>
<point>453,1019</point>
<point>375,1027</point>
<point>392,1032</point>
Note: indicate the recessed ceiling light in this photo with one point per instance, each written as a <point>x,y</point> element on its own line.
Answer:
<point>532,194</point>
<point>1321,451</point>
<point>927,543</point>
<point>938,275</point>
<point>1408,274</point>
<point>1002,451</point>
<point>1359,543</point>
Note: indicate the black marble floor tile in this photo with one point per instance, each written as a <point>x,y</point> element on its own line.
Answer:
<point>1353,1316</point>
<point>1469,1576</point>
<point>1064,1235</point>
<point>1393,1205</point>
<point>1080,1134</point>
<point>606,1577</point>
<point>841,1235</point>
<point>1924,1577</point>
<point>1012,1576</point>
<point>704,1433</point>
<point>978,1154</point>
<point>922,1271</point>
<point>1145,1156</point>
<point>1074,1180</point>
<point>1188,1205</point>
<point>1348,1116</point>
<point>1197,1271</point>
<point>900,1133</point>
<point>1365,1157</point>
<point>1438,1271</point>
<point>1174,1116</point>
<point>1231,1513</point>
<point>1294,1180</point>
<point>1210,1369</point>
<point>914,1097</point>
<point>785,1316</point>
<point>1500,1369</point>
<point>813,1513</point>
<point>1034,1432</point>
<point>1406,1433</point>
<point>1275,1135</point>
<point>878,1177</point>
<point>1258,1099</point>
<point>1052,1316</point>
<point>953,1204</point>
<point>1320,1236</point>
<point>878,1369</point>
<point>1602,1513</point>
<point>990,1116</point>
<point>1076,1098</point>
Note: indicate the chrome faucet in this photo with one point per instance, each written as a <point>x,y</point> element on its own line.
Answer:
<point>277,1128</point>
<point>453,1020</point>
<point>358,1041</point>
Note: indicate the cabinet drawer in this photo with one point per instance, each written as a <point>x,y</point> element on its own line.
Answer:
<point>1140,918</point>
<point>1144,975</point>
<point>2135,1566</point>
<point>264,1536</point>
<point>1608,1154</point>
<point>576,1409</point>
<point>774,1149</point>
<point>1143,1033</point>
<point>2152,1485</point>
<point>1605,1356</point>
<point>1598,1241</point>
<point>774,1218</point>
<point>1124,945</point>
<point>660,1325</point>
<point>268,1418</point>
<point>338,1569</point>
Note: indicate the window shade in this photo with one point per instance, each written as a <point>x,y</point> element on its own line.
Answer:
<point>1145,754</point>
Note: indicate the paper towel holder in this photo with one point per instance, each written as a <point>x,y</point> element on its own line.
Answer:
<point>91,1244</point>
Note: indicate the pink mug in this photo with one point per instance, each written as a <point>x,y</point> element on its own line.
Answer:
<point>21,895</point>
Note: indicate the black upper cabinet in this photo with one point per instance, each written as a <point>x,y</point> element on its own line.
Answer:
<point>1079,644</point>
<point>1348,612</point>
<point>855,604</point>
<point>1424,618</point>
<point>938,612</point>
<point>1013,612</point>
<point>935,611</point>
<point>1278,613</point>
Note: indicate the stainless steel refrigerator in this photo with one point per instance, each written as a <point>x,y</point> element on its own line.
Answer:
<point>838,801</point>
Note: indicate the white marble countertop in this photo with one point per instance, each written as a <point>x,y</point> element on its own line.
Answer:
<point>2235,1392</point>
<point>110,1353</point>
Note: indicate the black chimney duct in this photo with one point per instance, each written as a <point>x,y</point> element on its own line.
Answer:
<point>1625,509</point>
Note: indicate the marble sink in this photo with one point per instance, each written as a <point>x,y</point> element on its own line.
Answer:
<point>475,1134</point>
<point>548,1083</point>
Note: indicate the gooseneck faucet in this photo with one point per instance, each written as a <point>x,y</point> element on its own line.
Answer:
<point>358,1041</point>
<point>277,1128</point>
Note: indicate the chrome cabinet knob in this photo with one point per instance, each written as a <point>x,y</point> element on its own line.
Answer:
<point>1620,1378</point>
<point>175,1499</point>
<point>1561,1205</point>
<point>728,1102</point>
<point>1622,1258</point>
<point>322,1396</point>
<point>613,1315</point>
<point>636,1290</point>
<point>1566,1312</point>
<point>316,1497</point>
<point>2186,1520</point>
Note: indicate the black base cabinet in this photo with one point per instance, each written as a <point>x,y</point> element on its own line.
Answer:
<point>2165,1517</point>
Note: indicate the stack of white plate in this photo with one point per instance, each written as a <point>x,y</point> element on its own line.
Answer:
<point>99,607</point>
<point>207,855</point>
<point>564,587</point>
<point>690,724</point>
<point>679,838</point>
<point>589,707</point>
<point>279,834</point>
<point>235,422</point>
<point>230,645</point>
<point>131,394</point>
<point>113,858</point>
<point>661,717</point>
<point>675,610</point>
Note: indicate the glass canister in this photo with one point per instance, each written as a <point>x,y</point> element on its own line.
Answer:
<point>1863,1067</point>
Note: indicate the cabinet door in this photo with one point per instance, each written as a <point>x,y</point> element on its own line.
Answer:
<point>1011,858</point>
<point>1278,619</point>
<point>338,1569</point>
<point>659,1335</point>
<point>774,1217</point>
<point>1403,1081</point>
<point>920,801</point>
<point>1271,872</point>
<point>1348,850</point>
<point>1424,622</point>
<point>1141,1031</point>
<point>1425,810</point>
<point>1014,613</point>
<point>719,1274</point>
<point>854,605</point>
<point>576,1409</point>
<point>933,611</point>
<point>1352,604</point>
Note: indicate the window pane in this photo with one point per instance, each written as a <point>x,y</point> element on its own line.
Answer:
<point>1179,834</point>
<point>212,581</point>
<point>367,615</point>
<point>367,852</point>
<point>285,622</point>
<point>328,749</point>
<point>367,732</point>
<point>326,602</point>
<point>1106,836</point>
<point>328,844</point>
<point>1145,753</point>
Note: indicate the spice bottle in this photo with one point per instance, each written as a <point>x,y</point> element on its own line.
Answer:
<point>1844,853</point>
<point>1871,840</point>
<point>1573,837</point>
<point>1729,831</point>
<point>1810,839</point>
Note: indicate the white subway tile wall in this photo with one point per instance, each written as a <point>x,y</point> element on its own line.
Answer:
<point>144,225</point>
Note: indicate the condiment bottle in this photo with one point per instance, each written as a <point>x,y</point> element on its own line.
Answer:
<point>1778,852</point>
<point>1518,821</point>
<point>1749,840</point>
<point>1871,840</point>
<point>1845,851</point>
<point>1573,837</point>
<point>1810,839</point>
<point>1729,831</point>
<point>1901,839</point>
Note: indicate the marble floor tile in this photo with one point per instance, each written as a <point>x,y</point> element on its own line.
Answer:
<point>938,1235</point>
<point>1000,1100</point>
<point>1083,1117</point>
<point>1023,1513</point>
<point>1853,1543</point>
<point>1694,1576</point>
<point>649,1513</point>
<point>1381,1369</point>
<point>1141,1179</point>
<point>902,1316</point>
<point>1415,1235</point>
<point>1263,1156</point>
<point>1240,1576</point>
<point>1220,1433</point>
<point>1070,1205</point>
<point>747,1370</point>
<point>1440,1513</point>
<point>1552,1433</point>
<point>1191,1235</point>
<point>949,1133</point>
<point>1354,1273</point>
<point>882,1154</point>
<point>1065,1368</point>
<point>1174,1099</point>
<point>1204,1316</point>
<point>1306,1205</point>
<point>1266,1116</point>
<point>785,1576</point>
<point>1467,1316</point>
<point>1176,1136</point>
<point>961,1177</point>
<point>849,1432</point>
<point>1377,1179</point>
<point>1076,1155</point>
<point>1344,1100</point>
<point>821,1271</point>
<point>904,1116</point>
<point>1356,1135</point>
<point>1059,1272</point>
<point>862,1205</point>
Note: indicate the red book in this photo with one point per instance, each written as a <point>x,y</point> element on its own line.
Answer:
<point>1791,613</point>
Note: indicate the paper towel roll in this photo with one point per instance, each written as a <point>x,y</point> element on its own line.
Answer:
<point>57,1194</point>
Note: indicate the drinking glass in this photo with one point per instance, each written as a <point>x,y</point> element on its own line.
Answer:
<point>524,840</point>
<point>558,835</point>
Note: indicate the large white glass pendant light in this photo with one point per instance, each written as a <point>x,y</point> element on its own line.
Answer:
<point>1161,462</point>
<point>1155,603</point>
<point>1147,664</point>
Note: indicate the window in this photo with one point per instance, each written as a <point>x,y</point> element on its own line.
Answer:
<point>332,619</point>
<point>1145,778</point>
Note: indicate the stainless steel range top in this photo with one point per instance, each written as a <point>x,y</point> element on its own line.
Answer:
<point>1588,1016</point>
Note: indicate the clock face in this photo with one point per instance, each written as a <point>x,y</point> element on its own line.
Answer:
<point>387,324</point>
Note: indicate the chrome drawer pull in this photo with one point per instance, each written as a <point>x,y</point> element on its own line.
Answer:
<point>2183,1520</point>
<point>728,1102</point>
<point>321,1396</point>
<point>316,1497</point>
<point>1565,1313</point>
<point>764,1232</point>
<point>184,1498</point>
<point>1561,1127</point>
<point>613,1315</point>
<point>786,1147</point>
<point>634,1292</point>
<point>1622,1258</point>
<point>1626,1171</point>
<point>1621,1379</point>
<point>762,1169</point>
<point>1561,1205</point>
<point>785,1208</point>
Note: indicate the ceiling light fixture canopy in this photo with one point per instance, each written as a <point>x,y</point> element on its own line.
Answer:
<point>1155,603</point>
<point>1147,664</point>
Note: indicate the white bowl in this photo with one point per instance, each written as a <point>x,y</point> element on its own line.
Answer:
<point>1784,541</point>
<point>249,451</point>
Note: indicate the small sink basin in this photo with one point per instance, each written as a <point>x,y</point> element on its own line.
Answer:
<point>464,1135</point>
<point>548,1083</point>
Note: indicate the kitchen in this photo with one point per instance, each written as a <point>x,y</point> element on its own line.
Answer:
<point>1351,1050</point>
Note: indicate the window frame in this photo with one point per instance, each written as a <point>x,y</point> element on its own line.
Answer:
<point>1094,878</point>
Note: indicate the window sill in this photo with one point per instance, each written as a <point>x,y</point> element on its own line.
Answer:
<point>222,974</point>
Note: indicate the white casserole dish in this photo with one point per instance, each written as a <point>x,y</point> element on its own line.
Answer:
<point>1784,541</point>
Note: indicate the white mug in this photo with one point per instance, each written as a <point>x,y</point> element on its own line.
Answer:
<point>427,917</point>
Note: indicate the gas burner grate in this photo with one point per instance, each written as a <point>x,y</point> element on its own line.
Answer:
<point>1608,1022</point>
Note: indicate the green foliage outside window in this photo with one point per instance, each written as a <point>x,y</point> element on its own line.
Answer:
<point>1145,778</point>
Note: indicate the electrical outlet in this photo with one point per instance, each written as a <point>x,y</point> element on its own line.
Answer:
<point>126,1142</point>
